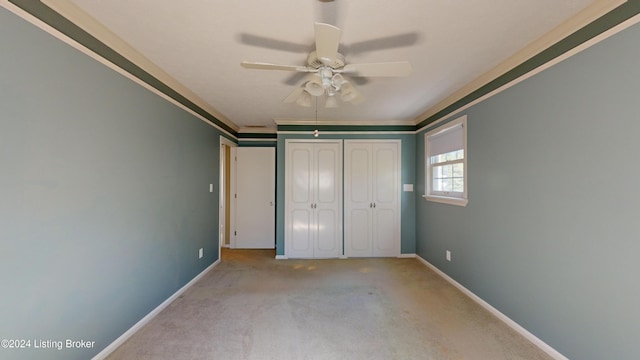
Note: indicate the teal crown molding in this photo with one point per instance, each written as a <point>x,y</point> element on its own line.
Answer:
<point>595,28</point>
<point>244,135</point>
<point>329,128</point>
<point>272,144</point>
<point>60,23</point>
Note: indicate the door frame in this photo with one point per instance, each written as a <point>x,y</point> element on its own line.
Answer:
<point>222,213</point>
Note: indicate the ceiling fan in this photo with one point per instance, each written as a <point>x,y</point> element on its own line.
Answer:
<point>327,67</point>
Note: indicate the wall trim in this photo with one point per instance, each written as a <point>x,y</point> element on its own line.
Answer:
<point>346,132</point>
<point>320,122</point>
<point>585,45</point>
<point>79,17</point>
<point>592,12</point>
<point>281,257</point>
<point>504,318</point>
<point>129,333</point>
<point>256,130</point>
<point>258,139</point>
<point>407,256</point>
<point>86,51</point>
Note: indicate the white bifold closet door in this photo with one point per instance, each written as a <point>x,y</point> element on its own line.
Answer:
<point>255,198</point>
<point>372,198</point>
<point>313,199</point>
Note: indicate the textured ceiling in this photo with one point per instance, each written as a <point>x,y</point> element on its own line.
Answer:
<point>200,44</point>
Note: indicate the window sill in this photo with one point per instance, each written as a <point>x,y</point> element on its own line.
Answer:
<point>446,200</point>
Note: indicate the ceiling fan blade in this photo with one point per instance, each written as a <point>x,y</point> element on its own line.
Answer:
<point>274,44</point>
<point>294,95</point>
<point>330,12</point>
<point>268,66</point>
<point>327,42</point>
<point>398,68</point>
<point>388,42</point>
<point>295,79</point>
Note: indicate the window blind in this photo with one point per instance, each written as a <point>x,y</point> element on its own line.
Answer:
<point>451,139</point>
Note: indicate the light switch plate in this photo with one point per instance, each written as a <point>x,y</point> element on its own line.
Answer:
<point>407,187</point>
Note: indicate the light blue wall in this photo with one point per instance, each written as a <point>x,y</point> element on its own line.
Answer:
<point>104,197</point>
<point>408,199</point>
<point>551,234</point>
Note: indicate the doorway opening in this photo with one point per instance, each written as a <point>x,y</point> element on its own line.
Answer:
<point>227,179</point>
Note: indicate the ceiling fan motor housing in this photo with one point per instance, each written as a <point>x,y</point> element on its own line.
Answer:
<point>314,62</point>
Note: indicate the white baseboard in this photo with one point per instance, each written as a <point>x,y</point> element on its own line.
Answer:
<point>514,325</point>
<point>124,337</point>
<point>281,257</point>
<point>407,256</point>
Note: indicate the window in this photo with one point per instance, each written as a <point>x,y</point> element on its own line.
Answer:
<point>446,163</point>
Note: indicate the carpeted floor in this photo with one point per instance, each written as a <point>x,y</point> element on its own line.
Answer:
<point>252,306</point>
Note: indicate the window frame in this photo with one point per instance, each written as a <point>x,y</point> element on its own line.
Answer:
<point>437,196</point>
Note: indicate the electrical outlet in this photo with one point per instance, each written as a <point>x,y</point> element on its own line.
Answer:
<point>200,253</point>
<point>448,255</point>
<point>210,187</point>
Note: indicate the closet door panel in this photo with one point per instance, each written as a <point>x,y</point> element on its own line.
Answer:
<point>386,197</point>
<point>299,197</point>
<point>359,233</point>
<point>301,234</point>
<point>313,199</point>
<point>358,204</point>
<point>385,233</point>
<point>328,200</point>
<point>327,241</point>
<point>385,175</point>
<point>302,185</point>
<point>372,193</point>
<point>359,170</point>
<point>327,178</point>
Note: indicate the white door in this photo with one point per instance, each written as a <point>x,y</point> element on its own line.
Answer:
<point>358,203</point>
<point>328,200</point>
<point>255,198</point>
<point>299,200</point>
<point>372,198</point>
<point>313,199</point>
<point>386,199</point>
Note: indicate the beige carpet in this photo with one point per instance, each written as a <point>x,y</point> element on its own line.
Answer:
<point>252,306</point>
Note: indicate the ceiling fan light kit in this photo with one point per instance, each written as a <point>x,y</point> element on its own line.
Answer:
<point>348,93</point>
<point>304,99</point>
<point>328,66</point>
<point>331,102</point>
<point>315,86</point>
